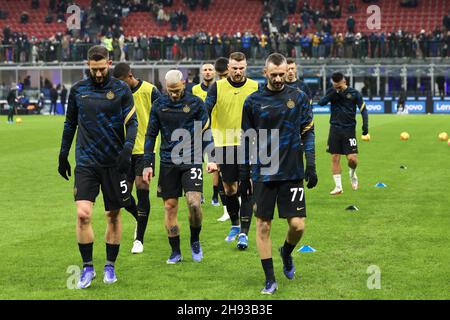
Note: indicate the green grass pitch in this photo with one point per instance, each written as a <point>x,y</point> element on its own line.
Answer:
<point>402,229</point>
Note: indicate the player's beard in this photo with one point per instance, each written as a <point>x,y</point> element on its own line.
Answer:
<point>177,98</point>
<point>209,81</point>
<point>237,78</point>
<point>99,80</point>
<point>277,86</point>
<point>290,79</point>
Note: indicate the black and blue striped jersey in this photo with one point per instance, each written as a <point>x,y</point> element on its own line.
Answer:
<point>302,86</point>
<point>343,107</point>
<point>288,114</point>
<point>100,112</point>
<point>190,117</point>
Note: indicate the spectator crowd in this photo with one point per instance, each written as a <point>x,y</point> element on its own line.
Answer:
<point>312,37</point>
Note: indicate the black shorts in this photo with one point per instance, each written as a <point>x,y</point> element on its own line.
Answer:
<point>288,195</point>
<point>174,179</point>
<point>137,167</point>
<point>228,167</point>
<point>342,141</point>
<point>88,181</point>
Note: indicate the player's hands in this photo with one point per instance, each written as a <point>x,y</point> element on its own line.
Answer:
<point>147,175</point>
<point>64,167</point>
<point>310,172</point>
<point>311,177</point>
<point>212,167</point>
<point>332,93</point>
<point>124,160</point>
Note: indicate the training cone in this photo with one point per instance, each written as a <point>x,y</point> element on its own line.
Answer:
<point>306,249</point>
<point>352,208</point>
<point>381,185</point>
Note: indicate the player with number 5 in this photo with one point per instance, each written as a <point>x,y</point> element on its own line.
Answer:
<point>181,118</point>
<point>342,137</point>
<point>99,107</point>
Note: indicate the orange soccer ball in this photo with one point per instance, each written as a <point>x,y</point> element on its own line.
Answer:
<point>404,136</point>
<point>443,136</point>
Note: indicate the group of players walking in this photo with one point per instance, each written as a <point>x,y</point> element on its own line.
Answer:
<point>209,120</point>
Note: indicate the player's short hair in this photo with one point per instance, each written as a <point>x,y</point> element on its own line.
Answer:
<point>173,77</point>
<point>205,63</point>
<point>97,53</point>
<point>290,60</point>
<point>238,56</point>
<point>276,58</point>
<point>337,77</point>
<point>121,70</point>
<point>221,65</point>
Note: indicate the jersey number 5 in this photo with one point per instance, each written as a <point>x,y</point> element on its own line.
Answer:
<point>123,184</point>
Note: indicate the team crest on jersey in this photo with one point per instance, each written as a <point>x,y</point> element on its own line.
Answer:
<point>290,104</point>
<point>349,95</point>
<point>186,109</point>
<point>110,95</point>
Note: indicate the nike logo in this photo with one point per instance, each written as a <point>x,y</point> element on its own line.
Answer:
<point>265,107</point>
<point>300,209</point>
<point>84,96</point>
<point>124,200</point>
<point>198,184</point>
<point>236,92</point>
<point>164,110</point>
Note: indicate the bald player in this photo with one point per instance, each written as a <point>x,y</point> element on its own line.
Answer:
<point>208,74</point>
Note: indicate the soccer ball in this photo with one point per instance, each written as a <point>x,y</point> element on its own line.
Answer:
<point>19,120</point>
<point>404,136</point>
<point>366,137</point>
<point>443,136</point>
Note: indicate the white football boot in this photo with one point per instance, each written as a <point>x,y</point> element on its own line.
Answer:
<point>138,247</point>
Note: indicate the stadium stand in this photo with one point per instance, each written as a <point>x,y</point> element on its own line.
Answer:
<point>230,17</point>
